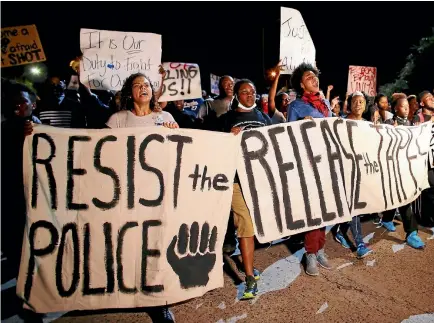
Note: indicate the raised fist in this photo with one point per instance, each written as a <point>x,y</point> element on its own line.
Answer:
<point>194,264</point>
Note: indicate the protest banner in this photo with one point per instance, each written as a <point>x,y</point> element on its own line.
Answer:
<point>362,78</point>
<point>215,84</point>
<point>304,175</point>
<point>21,45</point>
<point>124,218</point>
<point>296,45</point>
<point>182,82</point>
<point>110,57</point>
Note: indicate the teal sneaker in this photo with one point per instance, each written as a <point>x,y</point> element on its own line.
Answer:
<point>389,226</point>
<point>251,288</point>
<point>341,239</point>
<point>363,251</point>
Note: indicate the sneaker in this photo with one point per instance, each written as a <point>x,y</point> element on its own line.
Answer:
<point>377,219</point>
<point>322,259</point>
<point>311,265</point>
<point>256,272</point>
<point>389,226</point>
<point>363,251</point>
<point>414,241</point>
<point>251,288</point>
<point>161,314</point>
<point>341,239</point>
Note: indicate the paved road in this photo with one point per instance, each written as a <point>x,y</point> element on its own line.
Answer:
<point>391,285</point>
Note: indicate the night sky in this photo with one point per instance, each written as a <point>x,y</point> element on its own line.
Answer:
<point>226,38</point>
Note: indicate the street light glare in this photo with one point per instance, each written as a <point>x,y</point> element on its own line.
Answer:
<point>35,71</point>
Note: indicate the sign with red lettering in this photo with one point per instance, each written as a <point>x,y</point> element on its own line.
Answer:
<point>362,78</point>
<point>21,45</point>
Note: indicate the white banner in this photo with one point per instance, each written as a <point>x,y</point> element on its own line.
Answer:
<point>431,153</point>
<point>182,82</point>
<point>110,57</point>
<point>296,45</point>
<point>309,174</point>
<point>124,218</point>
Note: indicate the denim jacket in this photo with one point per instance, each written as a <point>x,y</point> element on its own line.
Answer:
<point>299,109</point>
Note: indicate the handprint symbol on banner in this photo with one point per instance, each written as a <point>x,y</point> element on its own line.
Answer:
<point>193,265</point>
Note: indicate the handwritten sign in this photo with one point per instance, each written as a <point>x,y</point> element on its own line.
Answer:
<point>21,45</point>
<point>124,218</point>
<point>182,82</point>
<point>296,45</point>
<point>110,57</point>
<point>304,175</point>
<point>215,84</point>
<point>362,78</point>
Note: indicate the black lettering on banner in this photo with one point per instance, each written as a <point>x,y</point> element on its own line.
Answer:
<point>391,132</point>
<point>398,169</point>
<point>259,155</point>
<point>195,176</point>
<point>173,91</point>
<point>107,171</point>
<point>402,147</point>
<point>220,178</point>
<point>410,158</point>
<point>149,253</point>
<point>109,259</point>
<point>205,179</point>
<point>72,172</point>
<point>326,216</point>
<point>283,168</point>
<point>389,157</point>
<point>378,128</point>
<point>357,157</point>
<point>48,168</point>
<point>349,157</point>
<point>38,252</point>
<point>154,170</point>
<point>332,157</point>
<point>131,161</point>
<point>181,140</point>
<point>423,126</point>
<point>87,290</point>
<point>59,263</point>
<point>120,276</point>
<point>304,191</point>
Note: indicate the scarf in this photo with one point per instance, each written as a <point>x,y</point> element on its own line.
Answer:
<point>316,101</point>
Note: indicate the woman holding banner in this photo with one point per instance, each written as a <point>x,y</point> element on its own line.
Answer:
<point>357,101</point>
<point>137,110</point>
<point>310,105</point>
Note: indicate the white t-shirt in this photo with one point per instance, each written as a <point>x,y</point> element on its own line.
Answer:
<point>127,119</point>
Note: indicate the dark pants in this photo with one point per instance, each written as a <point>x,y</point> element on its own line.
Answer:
<point>314,240</point>
<point>354,225</point>
<point>408,219</point>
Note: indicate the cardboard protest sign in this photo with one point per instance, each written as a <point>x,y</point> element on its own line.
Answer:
<point>304,175</point>
<point>21,45</point>
<point>215,84</point>
<point>296,45</point>
<point>362,78</point>
<point>124,218</point>
<point>182,82</point>
<point>110,57</point>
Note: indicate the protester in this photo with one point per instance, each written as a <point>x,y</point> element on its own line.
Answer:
<point>382,106</point>
<point>414,106</point>
<point>401,107</point>
<point>277,104</point>
<point>357,102</point>
<point>244,116</point>
<point>305,80</point>
<point>426,101</point>
<point>138,103</point>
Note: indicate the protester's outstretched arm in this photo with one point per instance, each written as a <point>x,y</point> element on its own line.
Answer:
<point>329,89</point>
<point>273,90</point>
